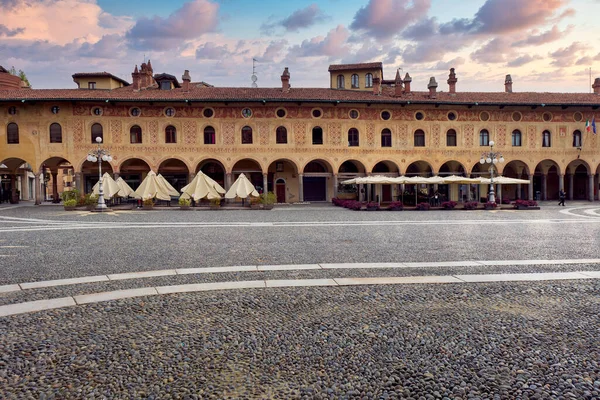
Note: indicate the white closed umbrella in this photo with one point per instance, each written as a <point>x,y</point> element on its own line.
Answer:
<point>503,180</point>
<point>109,187</point>
<point>167,186</point>
<point>200,188</point>
<point>126,190</point>
<point>241,188</point>
<point>151,188</point>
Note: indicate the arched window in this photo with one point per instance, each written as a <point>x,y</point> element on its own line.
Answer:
<point>135,134</point>
<point>340,82</point>
<point>354,81</point>
<point>97,132</point>
<point>546,139</point>
<point>12,133</point>
<point>577,138</point>
<point>451,138</point>
<point>281,135</point>
<point>246,135</point>
<point>209,135</point>
<point>317,135</point>
<point>386,138</point>
<point>170,134</point>
<point>369,80</point>
<point>484,137</point>
<point>419,138</point>
<point>55,133</point>
<point>352,137</point>
<point>516,138</point>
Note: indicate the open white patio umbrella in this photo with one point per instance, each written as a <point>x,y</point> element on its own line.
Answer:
<point>460,180</point>
<point>503,180</point>
<point>241,188</point>
<point>126,190</point>
<point>151,188</point>
<point>211,182</point>
<point>109,187</point>
<point>200,188</point>
<point>167,186</point>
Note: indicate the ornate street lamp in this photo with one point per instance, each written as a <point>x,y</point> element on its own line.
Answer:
<point>99,155</point>
<point>491,158</point>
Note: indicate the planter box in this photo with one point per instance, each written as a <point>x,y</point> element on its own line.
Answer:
<point>267,206</point>
<point>256,206</point>
<point>371,208</point>
<point>184,207</point>
<point>69,208</point>
<point>395,208</point>
<point>147,207</point>
<point>213,207</point>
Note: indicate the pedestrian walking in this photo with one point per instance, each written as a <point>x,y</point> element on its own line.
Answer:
<point>561,197</point>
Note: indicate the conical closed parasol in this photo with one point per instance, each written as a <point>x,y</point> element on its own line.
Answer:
<point>167,186</point>
<point>200,187</point>
<point>126,190</point>
<point>503,180</point>
<point>109,187</point>
<point>241,188</point>
<point>151,188</point>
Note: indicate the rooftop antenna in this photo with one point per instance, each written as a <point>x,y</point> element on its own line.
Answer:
<point>254,78</point>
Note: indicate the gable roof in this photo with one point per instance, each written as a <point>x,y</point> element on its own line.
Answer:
<point>347,67</point>
<point>102,74</point>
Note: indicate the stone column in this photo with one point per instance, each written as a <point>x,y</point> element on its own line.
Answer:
<point>265,184</point>
<point>116,175</point>
<point>228,182</point>
<point>499,196</point>
<point>530,194</point>
<point>39,177</point>
<point>301,187</point>
<point>13,186</point>
<point>78,182</point>
<point>571,179</point>
<point>335,185</point>
<point>545,187</point>
<point>25,186</point>
<point>55,198</point>
<point>596,183</point>
<point>561,182</point>
<point>591,187</point>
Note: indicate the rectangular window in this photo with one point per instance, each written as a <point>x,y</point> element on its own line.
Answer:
<point>317,136</point>
<point>165,85</point>
<point>209,137</point>
<point>484,138</point>
<point>451,140</point>
<point>91,85</point>
<point>386,140</point>
<point>516,140</point>
<point>246,137</point>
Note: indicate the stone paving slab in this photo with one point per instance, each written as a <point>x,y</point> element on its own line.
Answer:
<point>200,287</point>
<point>115,295</point>
<point>204,270</point>
<point>60,282</point>
<point>548,276</point>
<point>288,267</point>
<point>300,282</point>
<point>143,274</point>
<point>38,305</point>
<point>9,288</point>
<point>397,280</point>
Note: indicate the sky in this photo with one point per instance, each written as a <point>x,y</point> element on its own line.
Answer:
<point>546,45</point>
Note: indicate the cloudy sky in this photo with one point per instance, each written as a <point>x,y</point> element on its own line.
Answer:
<point>546,45</point>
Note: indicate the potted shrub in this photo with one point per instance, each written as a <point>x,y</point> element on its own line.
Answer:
<point>471,205</point>
<point>490,205</point>
<point>72,194</point>
<point>91,201</point>
<point>184,204</point>
<point>267,200</point>
<point>355,205</point>
<point>423,206</point>
<point>148,204</point>
<point>524,204</point>
<point>70,204</point>
<point>255,203</point>
<point>372,206</point>
<point>448,205</point>
<point>215,204</point>
<point>396,206</point>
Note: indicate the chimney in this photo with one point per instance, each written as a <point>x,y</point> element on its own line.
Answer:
<point>452,81</point>
<point>376,84</point>
<point>432,86</point>
<point>285,80</point>
<point>508,84</point>
<point>596,86</point>
<point>135,76</point>
<point>398,85</point>
<point>407,81</point>
<point>186,78</point>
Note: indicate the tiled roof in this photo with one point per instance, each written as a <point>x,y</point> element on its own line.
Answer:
<point>346,67</point>
<point>3,70</point>
<point>99,74</point>
<point>231,94</point>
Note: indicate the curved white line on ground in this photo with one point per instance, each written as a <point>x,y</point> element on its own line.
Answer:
<point>41,305</point>
<point>284,267</point>
<point>593,211</point>
<point>569,211</point>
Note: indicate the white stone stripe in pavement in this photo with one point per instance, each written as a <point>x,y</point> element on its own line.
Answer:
<point>285,267</point>
<point>40,305</point>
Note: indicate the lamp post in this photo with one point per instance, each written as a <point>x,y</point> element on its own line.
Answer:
<point>491,158</point>
<point>99,155</point>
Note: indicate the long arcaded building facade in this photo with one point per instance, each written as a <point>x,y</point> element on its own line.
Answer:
<point>297,142</point>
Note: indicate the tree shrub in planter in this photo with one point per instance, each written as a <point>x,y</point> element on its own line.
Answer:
<point>267,200</point>
<point>70,204</point>
<point>72,194</point>
<point>184,203</point>
<point>471,205</point>
<point>490,205</point>
<point>148,204</point>
<point>423,206</point>
<point>448,205</point>
<point>396,206</point>
<point>372,206</point>
<point>91,201</point>
<point>215,204</point>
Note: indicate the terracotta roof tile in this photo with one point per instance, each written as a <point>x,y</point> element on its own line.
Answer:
<point>346,67</point>
<point>231,94</point>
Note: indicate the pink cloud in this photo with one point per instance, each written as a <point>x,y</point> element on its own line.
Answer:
<point>386,18</point>
<point>332,45</point>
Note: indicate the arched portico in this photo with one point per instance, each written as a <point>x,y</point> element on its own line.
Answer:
<point>215,170</point>
<point>315,181</point>
<point>175,171</point>
<point>454,192</point>
<point>88,176</point>
<point>253,171</point>
<point>133,171</point>
<point>385,193</point>
<point>519,170</point>
<point>16,180</point>
<point>547,180</point>
<point>282,179</point>
<point>59,176</point>
<point>579,181</point>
